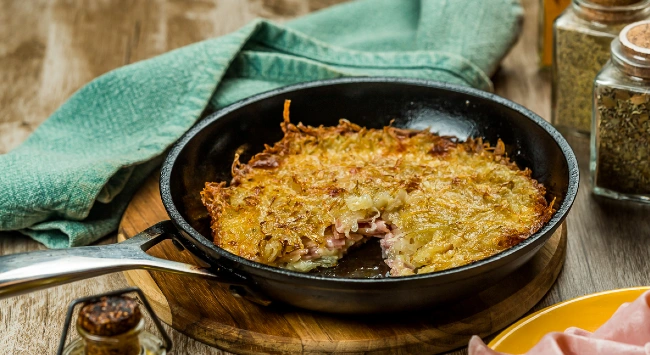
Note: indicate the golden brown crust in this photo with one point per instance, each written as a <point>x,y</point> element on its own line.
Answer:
<point>435,202</point>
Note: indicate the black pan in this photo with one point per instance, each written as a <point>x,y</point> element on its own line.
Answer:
<point>205,153</point>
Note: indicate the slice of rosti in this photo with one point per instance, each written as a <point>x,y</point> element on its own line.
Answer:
<point>434,202</point>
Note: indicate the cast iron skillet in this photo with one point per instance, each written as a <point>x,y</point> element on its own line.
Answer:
<point>205,153</point>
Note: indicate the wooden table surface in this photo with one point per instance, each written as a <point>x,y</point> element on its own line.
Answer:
<point>50,48</point>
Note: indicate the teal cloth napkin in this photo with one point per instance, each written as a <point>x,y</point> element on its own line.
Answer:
<point>70,181</point>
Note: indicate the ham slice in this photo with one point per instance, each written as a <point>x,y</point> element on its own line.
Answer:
<point>627,332</point>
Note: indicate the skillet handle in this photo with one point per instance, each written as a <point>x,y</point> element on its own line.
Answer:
<point>31,271</point>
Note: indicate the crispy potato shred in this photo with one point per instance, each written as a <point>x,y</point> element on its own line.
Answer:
<point>433,201</point>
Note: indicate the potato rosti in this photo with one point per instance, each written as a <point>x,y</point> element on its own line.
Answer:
<point>435,202</point>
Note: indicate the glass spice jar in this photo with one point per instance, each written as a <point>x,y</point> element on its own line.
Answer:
<point>620,143</point>
<point>113,325</point>
<point>549,10</point>
<point>582,36</point>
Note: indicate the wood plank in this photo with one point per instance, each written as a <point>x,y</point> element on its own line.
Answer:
<point>208,312</point>
<point>48,50</point>
<point>606,248</point>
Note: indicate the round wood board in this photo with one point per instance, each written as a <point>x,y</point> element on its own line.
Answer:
<point>208,312</point>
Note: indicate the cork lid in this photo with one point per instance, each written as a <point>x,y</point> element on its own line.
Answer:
<point>612,11</point>
<point>615,2</point>
<point>635,39</point>
<point>109,316</point>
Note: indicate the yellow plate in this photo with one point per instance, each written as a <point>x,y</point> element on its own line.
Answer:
<point>587,312</point>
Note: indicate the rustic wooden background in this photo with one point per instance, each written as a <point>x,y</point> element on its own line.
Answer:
<point>50,48</point>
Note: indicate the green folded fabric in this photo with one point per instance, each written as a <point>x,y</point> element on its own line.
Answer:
<point>70,181</point>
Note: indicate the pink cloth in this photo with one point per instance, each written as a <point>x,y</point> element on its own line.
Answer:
<point>626,333</point>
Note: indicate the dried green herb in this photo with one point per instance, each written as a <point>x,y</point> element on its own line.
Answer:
<point>579,56</point>
<point>623,142</point>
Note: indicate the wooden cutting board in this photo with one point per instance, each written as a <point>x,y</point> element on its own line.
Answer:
<point>208,312</point>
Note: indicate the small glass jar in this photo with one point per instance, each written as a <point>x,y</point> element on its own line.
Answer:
<point>113,325</point>
<point>582,37</point>
<point>133,342</point>
<point>620,144</point>
<point>548,11</point>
